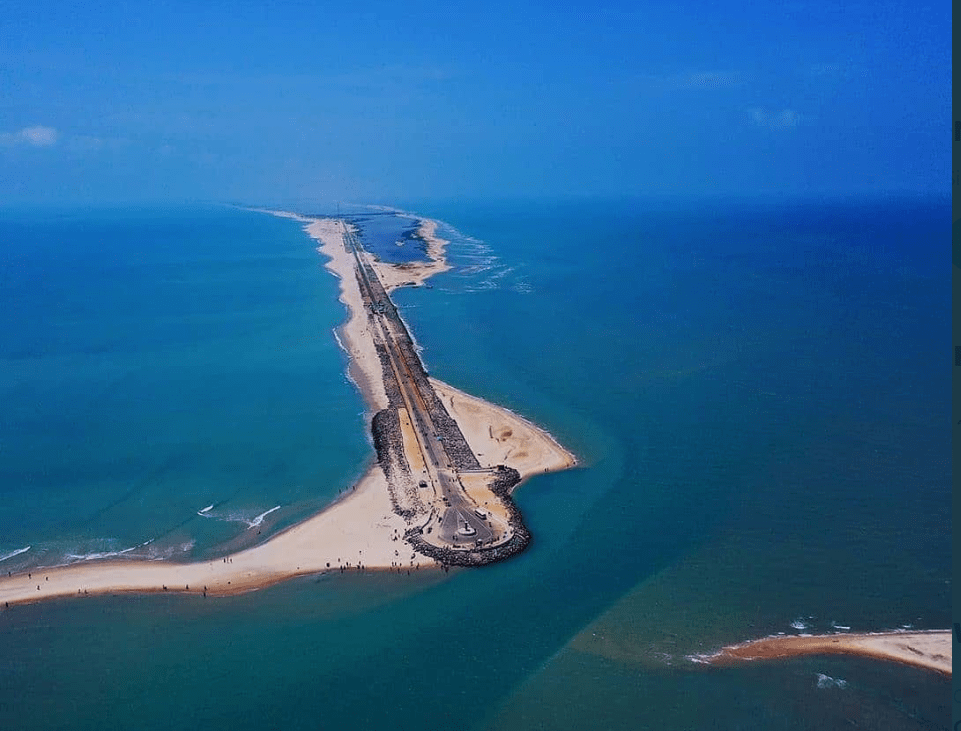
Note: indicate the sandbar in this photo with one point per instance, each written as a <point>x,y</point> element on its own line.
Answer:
<point>930,650</point>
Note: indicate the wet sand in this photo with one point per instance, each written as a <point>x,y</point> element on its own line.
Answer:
<point>931,650</point>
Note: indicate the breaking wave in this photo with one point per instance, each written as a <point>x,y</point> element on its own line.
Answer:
<point>476,267</point>
<point>260,518</point>
<point>237,517</point>
<point>94,555</point>
<point>826,681</point>
<point>340,343</point>
<point>14,553</point>
<point>72,557</point>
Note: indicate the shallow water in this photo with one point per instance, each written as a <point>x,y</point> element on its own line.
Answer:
<point>390,237</point>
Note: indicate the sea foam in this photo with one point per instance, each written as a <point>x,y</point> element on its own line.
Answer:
<point>14,553</point>
<point>238,517</point>
<point>260,518</point>
<point>826,681</point>
<point>94,555</point>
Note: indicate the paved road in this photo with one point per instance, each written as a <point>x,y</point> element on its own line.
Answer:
<point>460,526</point>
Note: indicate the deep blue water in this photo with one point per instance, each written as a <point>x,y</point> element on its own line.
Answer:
<point>755,392</point>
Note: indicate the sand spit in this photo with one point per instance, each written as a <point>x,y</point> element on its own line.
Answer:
<point>499,436</point>
<point>931,650</point>
<point>364,530</point>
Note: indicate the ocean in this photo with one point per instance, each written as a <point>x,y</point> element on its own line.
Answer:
<point>755,392</point>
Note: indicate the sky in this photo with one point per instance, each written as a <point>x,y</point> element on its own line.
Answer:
<point>381,102</point>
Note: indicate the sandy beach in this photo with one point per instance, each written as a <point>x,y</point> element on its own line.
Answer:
<point>499,436</point>
<point>357,531</point>
<point>931,650</point>
<point>361,530</point>
<point>365,368</point>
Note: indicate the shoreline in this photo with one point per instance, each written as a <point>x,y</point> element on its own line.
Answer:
<point>928,649</point>
<point>460,493</point>
<point>361,530</point>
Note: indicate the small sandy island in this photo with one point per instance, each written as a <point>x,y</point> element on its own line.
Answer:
<point>931,650</point>
<point>366,528</point>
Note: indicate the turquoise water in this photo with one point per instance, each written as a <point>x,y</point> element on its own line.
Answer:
<point>755,393</point>
<point>157,363</point>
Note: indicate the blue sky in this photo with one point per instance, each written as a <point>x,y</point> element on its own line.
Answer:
<point>380,102</point>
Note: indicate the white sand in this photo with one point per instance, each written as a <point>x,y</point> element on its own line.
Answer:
<point>498,436</point>
<point>357,530</point>
<point>365,366</point>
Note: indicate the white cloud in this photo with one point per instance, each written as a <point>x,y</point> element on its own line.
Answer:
<point>783,119</point>
<point>711,79</point>
<point>844,71</point>
<point>704,80</point>
<point>39,135</point>
<point>35,136</point>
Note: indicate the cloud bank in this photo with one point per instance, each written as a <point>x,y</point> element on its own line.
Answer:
<point>35,136</point>
<point>783,119</point>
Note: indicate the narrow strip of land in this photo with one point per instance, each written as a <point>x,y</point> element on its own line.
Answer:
<point>470,454</point>
<point>424,452</point>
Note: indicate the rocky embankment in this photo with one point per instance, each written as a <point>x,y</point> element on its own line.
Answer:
<point>389,444</point>
<point>504,481</point>
<point>389,441</point>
